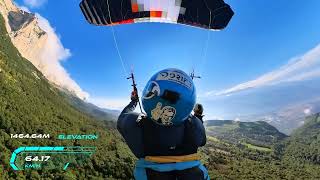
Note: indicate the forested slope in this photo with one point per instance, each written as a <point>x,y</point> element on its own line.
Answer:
<point>30,104</point>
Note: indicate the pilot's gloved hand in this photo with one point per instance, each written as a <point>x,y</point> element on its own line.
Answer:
<point>134,95</point>
<point>198,111</point>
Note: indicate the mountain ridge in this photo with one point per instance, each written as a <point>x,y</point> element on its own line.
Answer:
<point>30,104</point>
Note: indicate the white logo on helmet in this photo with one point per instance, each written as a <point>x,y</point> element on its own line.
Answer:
<point>176,77</point>
<point>153,90</point>
<point>163,115</point>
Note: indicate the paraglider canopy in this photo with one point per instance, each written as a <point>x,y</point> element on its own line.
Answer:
<point>208,14</point>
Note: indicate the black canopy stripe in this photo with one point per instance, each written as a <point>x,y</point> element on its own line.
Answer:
<point>209,14</point>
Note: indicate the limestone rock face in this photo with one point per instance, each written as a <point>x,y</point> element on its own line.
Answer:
<point>37,42</point>
<point>24,31</point>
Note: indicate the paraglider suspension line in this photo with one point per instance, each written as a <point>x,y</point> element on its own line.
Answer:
<point>116,42</point>
<point>205,52</point>
<point>134,85</point>
<point>118,51</point>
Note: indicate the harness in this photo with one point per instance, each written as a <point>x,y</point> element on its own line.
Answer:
<point>166,149</point>
<point>142,164</point>
<point>172,159</point>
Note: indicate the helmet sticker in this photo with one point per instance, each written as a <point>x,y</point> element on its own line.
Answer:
<point>153,90</point>
<point>163,115</point>
<point>168,114</point>
<point>175,77</point>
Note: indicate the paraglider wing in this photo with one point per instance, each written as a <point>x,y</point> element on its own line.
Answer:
<point>209,14</point>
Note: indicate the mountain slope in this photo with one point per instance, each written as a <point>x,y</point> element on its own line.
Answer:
<point>91,109</point>
<point>257,133</point>
<point>304,144</point>
<point>24,31</point>
<point>29,104</point>
<point>37,41</point>
<point>246,150</point>
<point>290,117</point>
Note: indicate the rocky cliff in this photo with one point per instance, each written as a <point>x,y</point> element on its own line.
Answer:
<point>37,41</point>
<point>24,31</point>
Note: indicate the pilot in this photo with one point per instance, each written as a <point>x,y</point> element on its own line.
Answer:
<point>166,138</point>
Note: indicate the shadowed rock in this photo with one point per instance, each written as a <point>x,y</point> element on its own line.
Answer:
<point>19,19</point>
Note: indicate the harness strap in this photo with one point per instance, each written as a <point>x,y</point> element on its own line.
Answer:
<point>173,159</point>
<point>142,164</point>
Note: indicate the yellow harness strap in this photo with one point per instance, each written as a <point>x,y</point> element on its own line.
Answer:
<point>172,159</point>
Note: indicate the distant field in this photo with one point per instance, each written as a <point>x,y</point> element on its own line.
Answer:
<point>223,128</point>
<point>250,146</point>
<point>211,138</point>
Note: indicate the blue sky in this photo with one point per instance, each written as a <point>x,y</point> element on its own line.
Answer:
<point>263,51</point>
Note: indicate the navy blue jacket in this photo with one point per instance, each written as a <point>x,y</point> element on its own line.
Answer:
<point>146,138</point>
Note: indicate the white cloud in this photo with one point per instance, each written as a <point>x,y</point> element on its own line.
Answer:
<point>300,68</point>
<point>34,3</point>
<point>209,117</point>
<point>305,76</point>
<point>307,111</point>
<point>51,55</point>
<point>50,60</point>
<point>110,103</point>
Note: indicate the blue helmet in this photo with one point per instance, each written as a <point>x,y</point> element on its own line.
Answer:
<point>169,97</point>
